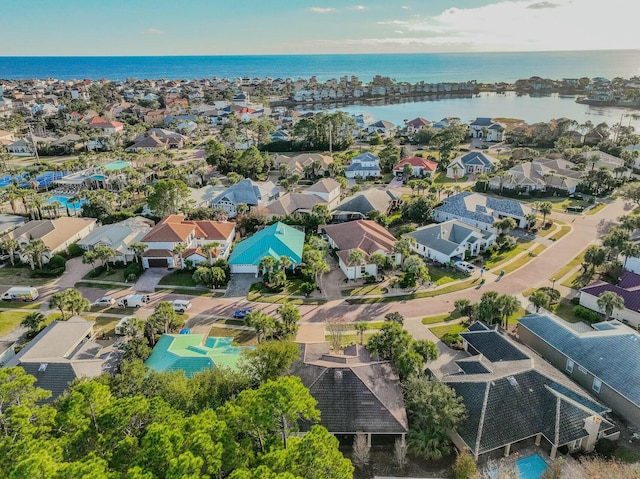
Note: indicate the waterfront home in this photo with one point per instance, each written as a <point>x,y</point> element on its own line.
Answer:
<point>481,211</point>
<point>472,163</point>
<point>487,129</point>
<point>365,236</point>
<point>118,237</point>
<point>595,160</point>
<point>304,164</point>
<point>63,352</point>
<point>382,128</point>
<point>420,167</point>
<point>248,192</point>
<point>56,234</point>
<point>355,393</point>
<point>358,206</point>
<point>417,124</point>
<point>365,165</point>
<point>173,233</point>
<point>510,397</point>
<point>628,288</point>
<point>604,359</point>
<point>543,174</point>
<point>450,241</point>
<point>274,241</point>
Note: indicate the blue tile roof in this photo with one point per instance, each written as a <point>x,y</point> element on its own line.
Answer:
<point>613,356</point>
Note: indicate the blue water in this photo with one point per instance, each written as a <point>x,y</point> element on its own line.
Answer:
<point>531,467</point>
<point>428,67</point>
<point>64,200</point>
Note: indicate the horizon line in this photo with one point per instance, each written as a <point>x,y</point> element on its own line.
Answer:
<point>322,54</point>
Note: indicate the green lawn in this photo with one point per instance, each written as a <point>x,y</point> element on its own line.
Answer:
<point>190,292</point>
<point>349,339</point>
<point>564,230</point>
<point>260,293</point>
<point>364,290</point>
<point>596,208</point>
<point>20,277</point>
<point>240,337</point>
<point>19,305</point>
<point>440,331</point>
<point>91,284</point>
<point>521,261</point>
<point>116,275</point>
<point>9,320</point>
<point>441,178</point>
<point>505,256</point>
<point>443,275</point>
<point>423,294</point>
<point>513,319</point>
<point>106,323</point>
<point>577,261</point>
<point>179,278</point>
<point>441,318</point>
<point>579,279</point>
<point>564,309</point>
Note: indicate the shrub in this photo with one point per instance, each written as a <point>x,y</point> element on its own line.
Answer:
<point>404,229</point>
<point>587,314</point>
<point>605,448</point>
<point>74,250</point>
<point>452,339</point>
<point>464,467</point>
<point>554,294</point>
<point>133,270</point>
<point>56,261</point>
<point>407,280</point>
<point>506,242</point>
<point>575,300</point>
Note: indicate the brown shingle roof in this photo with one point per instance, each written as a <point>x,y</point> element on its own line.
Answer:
<point>365,235</point>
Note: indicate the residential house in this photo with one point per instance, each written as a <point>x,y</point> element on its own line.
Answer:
<point>107,127</point>
<point>303,164</point>
<point>56,234</point>
<point>481,211</point>
<point>193,353</point>
<point>148,144</point>
<point>384,129</point>
<point>365,165</point>
<point>487,128</point>
<point>544,174</point>
<point>510,397</point>
<point>355,393</point>
<point>366,236</point>
<point>358,206</point>
<point>420,167</point>
<point>604,360</point>
<point>21,147</point>
<point>328,189</point>
<point>63,352</point>
<point>248,192</point>
<point>174,230</point>
<point>118,237</point>
<point>416,125</point>
<point>275,241</point>
<point>291,204</point>
<point>472,163</point>
<point>6,138</point>
<point>595,160</point>
<point>628,288</point>
<point>450,241</point>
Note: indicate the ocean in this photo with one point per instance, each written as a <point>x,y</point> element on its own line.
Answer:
<point>428,67</point>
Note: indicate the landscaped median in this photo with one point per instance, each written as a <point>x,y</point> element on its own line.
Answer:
<point>367,289</point>
<point>522,260</point>
<point>292,293</point>
<point>391,297</point>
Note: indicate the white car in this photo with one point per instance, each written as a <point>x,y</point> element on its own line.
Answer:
<point>464,266</point>
<point>105,301</point>
<point>181,305</point>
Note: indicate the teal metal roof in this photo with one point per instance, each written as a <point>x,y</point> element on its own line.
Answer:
<point>191,353</point>
<point>277,240</point>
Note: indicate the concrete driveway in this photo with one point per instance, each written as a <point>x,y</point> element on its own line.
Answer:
<point>239,285</point>
<point>149,280</point>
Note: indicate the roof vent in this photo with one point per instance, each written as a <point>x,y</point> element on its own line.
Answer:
<point>512,381</point>
<point>43,367</point>
<point>337,374</point>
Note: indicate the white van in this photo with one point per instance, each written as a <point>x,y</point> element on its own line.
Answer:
<point>20,293</point>
<point>181,305</point>
<point>134,301</point>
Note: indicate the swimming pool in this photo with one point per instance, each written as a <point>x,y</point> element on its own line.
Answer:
<point>64,201</point>
<point>531,467</point>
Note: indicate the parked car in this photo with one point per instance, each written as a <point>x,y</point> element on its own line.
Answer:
<point>241,313</point>
<point>105,301</point>
<point>181,305</point>
<point>464,266</point>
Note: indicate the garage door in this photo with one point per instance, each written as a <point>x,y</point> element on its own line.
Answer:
<point>244,268</point>
<point>157,262</point>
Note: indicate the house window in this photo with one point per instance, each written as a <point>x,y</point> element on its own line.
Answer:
<point>362,269</point>
<point>569,365</point>
<point>596,385</point>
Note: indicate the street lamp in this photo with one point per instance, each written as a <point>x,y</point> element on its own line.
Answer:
<point>553,283</point>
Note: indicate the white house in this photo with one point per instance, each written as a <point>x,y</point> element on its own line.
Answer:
<point>365,165</point>
<point>328,189</point>
<point>254,195</point>
<point>450,241</point>
<point>118,237</point>
<point>472,163</point>
<point>486,128</point>
<point>21,147</point>
<point>366,236</point>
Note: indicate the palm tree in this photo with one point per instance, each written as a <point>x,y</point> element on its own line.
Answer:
<point>594,256</point>
<point>355,258</point>
<point>242,208</point>
<point>540,299</point>
<point>545,208</point>
<point>508,305</point>
<point>608,301</point>
<point>178,249</point>
<point>138,249</point>
<point>285,262</point>
<point>35,250</point>
<point>361,327</point>
<point>629,250</point>
<point>10,245</point>
<point>32,321</point>
<point>104,254</point>
<point>267,264</point>
<point>208,249</point>
<point>531,220</point>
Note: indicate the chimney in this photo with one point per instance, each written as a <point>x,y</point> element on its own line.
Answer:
<point>592,426</point>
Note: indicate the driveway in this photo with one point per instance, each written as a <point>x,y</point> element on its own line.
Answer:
<point>73,273</point>
<point>239,285</point>
<point>395,183</point>
<point>149,280</point>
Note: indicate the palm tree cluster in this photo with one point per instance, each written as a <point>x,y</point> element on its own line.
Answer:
<point>493,308</point>
<point>69,301</point>
<point>274,271</point>
<point>268,327</point>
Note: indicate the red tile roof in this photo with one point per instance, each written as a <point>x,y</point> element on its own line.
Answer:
<point>416,161</point>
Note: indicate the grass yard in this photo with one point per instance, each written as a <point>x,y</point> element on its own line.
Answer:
<point>190,292</point>
<point>440,331</point>
<point>179,278</point>
<point>597,208</point>
<point>91,284</point>
<point>564,309</point>
<point>521,261</point>
<point>364,290</point>
<point>441,178</point>
<point>513,319</point>
<point>423,294</point>
<point>19,305</point>
<point>579,279</point>
<point>240,337</point>
<point>116,275</point>
<point>440,275</point>
<point>20,277</point>
<point>564,230</point>
<point>577,261</point>
<point>441,318</point>
<point>233,322</point>
<point>260,293</point>
<point>106,323</point>
<point>9,320</point>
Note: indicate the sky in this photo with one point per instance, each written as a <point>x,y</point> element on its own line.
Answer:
<point>245,27</point>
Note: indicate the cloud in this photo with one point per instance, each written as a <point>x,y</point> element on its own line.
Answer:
<point>394,22</point>
<point>359,8</point>
<point>322,10</point>
<point>536,6</point>
<point>154,31</point>
<point>404,7</point>
<point>399,32</point>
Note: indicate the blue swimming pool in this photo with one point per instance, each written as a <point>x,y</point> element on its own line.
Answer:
<point>64,201</point>
<point>531,467</point>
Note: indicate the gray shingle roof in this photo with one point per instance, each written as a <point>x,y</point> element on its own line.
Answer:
<point>55,378</point>
<point>478,158</point>
<point>366,201</point>
<point>246,191</point>
<point>445,237</point>
<point>478,207</point>
<point>613,356</point>
<point>493,346</point>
